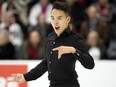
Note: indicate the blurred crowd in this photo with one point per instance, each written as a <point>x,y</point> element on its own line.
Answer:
<point>25,25</point>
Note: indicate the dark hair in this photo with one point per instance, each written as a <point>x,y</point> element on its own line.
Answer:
<point>61,6</point>
<point>33,29</point>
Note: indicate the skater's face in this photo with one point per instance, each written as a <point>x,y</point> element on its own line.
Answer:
<point>59,20</point>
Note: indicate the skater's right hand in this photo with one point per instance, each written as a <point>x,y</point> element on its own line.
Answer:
<point>19,78</point>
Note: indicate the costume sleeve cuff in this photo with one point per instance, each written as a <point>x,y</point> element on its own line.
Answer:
<point>77,54</point>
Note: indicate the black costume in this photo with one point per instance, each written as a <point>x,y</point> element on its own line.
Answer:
<point>61,72</point>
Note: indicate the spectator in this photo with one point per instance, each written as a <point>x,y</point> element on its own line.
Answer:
<point>32,48</point>
<point>70,2</point>
<point>83,29</point>
<point>7,50</point>
<point>42,27</point>
<point>93,42</point>
<point>79,17</point>
<point>19,9</point>
<point>21,6</point>
<point>1,2</point>
<point>103,29</point>
<point>15,33</point>
<point>91,12</point>
<point>43,6</point>
<point>96,48</point>
<point>8,5</point>
<point>77,12</point>
<point>105,10</point>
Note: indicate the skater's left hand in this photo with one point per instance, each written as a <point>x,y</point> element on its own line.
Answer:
<point>64,50</point>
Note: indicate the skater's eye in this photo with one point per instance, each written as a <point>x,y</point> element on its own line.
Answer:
<point>59,18</point>
<point>52,18</point>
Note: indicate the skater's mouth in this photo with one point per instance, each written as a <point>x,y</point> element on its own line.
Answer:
<point>57,28</point>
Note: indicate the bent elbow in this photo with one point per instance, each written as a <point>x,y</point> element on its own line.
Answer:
<point>90,66</point>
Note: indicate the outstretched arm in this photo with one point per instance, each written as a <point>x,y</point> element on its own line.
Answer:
<point>33,74</point>
<point>36,72</point>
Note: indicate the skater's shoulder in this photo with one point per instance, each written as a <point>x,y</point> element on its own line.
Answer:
<point>51,35</point>
<point>76,35</point>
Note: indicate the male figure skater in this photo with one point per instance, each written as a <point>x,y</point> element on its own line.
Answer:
<point>63,49</point>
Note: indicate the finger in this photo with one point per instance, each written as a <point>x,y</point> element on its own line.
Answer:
<point>13,75</point>
<point>55,49</point>
<point>17,78</point>
<point>59,55</point>
<point>11,80</point>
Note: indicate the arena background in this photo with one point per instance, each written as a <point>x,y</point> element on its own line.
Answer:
<point>24,23</point>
